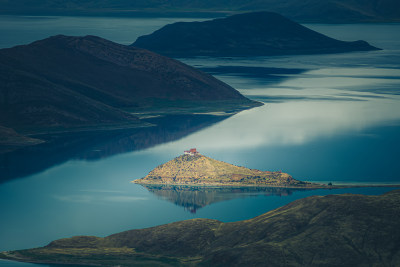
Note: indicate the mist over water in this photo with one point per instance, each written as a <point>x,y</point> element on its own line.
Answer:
<point>22,30</point>
<point>330,118</point>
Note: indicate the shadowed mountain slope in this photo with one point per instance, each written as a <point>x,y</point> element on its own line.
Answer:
<point>10,140</point>
<point>67,82</point>
<point>249,34</point>
<point>334,230</point>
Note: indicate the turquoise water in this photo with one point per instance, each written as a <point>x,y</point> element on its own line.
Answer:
<point>328,118</point>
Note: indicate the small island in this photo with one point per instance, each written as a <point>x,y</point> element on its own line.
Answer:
<point>192,168</point>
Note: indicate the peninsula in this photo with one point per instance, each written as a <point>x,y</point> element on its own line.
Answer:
<point>74,83</point>
<point>192,168</point>
<point>248,34</point>
<point>333,230</point>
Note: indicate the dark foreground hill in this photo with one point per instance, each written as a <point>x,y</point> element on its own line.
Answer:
<point>327,11</point>
<point>63,83</point>
<point>249,34</point>
<point>334,230</point>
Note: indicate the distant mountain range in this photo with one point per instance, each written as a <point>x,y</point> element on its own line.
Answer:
<point>328,11</point>
<point>66,83</point>
<point>248,34</point>
<point>333,230</point>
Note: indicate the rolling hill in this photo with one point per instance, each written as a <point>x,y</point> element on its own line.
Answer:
<point>333,230</point>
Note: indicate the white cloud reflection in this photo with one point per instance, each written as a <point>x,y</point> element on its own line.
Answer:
<point>307,108</point>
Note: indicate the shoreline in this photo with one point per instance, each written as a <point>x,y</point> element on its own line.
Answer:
<point>314,186</point>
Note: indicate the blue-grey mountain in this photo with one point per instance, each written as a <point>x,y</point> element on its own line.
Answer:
<point>249,34</point>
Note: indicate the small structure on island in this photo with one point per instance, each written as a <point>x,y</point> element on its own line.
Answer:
<point>191,152</point>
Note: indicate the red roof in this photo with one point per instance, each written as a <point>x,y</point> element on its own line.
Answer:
<point>192,151</point>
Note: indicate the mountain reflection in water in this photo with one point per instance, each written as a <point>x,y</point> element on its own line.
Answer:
<point>100,144</point>
<point>192,198</point>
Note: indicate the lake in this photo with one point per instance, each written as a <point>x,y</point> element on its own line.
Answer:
<point>328,118</point>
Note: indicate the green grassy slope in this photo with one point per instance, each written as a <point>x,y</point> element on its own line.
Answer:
<point>334,230</point>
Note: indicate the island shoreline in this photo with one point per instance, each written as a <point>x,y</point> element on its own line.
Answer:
<point>270,186</point>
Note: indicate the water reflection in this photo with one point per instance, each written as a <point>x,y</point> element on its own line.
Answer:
<point>192,198</point>
<point>312,104</point>
<point>297,122</point>
<point>268,75</point>
<point>96,145</point>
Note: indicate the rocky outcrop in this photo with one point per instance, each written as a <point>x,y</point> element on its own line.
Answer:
<point>201,170</point>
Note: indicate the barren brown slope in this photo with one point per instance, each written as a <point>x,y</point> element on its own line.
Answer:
<point>334,230</point>
<point>202,170</point>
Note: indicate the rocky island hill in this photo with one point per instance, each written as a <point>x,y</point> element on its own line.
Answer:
<point>192,168</point>
<point>333,230</point>
<point>248,34</point>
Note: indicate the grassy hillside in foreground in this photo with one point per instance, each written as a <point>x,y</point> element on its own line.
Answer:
<point>333,230</point>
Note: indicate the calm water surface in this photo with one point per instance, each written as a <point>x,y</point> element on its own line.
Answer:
<point>329,118</point>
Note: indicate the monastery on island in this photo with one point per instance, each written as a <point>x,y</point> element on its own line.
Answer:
<point>191,152</point>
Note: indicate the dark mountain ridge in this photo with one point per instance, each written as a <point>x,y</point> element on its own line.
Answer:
<point>248,34</point>
<point>65,82</point>
<point>333,230</point>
